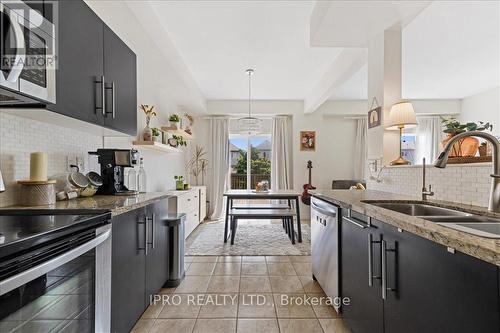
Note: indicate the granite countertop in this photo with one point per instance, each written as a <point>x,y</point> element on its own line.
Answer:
<point>116,204</point>
<point>486,249</point>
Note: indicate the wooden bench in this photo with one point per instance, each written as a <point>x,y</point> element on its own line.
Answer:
<point>261,214</point>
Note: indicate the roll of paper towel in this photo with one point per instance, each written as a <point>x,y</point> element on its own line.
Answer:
<point>38,166</point>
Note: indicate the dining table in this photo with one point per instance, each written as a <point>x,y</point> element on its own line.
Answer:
<point>290,196</point>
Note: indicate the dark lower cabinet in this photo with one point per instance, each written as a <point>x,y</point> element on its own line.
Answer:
<point>139,262</point>
<point>365,311</point>
<point>128,277</point>
<point>428,288</point>
<point>435,290</point>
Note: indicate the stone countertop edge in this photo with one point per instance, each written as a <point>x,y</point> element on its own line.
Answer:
<point>114,203</point>
<point>487,249</point>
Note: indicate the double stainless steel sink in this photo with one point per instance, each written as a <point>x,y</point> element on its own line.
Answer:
<point>471,223</point>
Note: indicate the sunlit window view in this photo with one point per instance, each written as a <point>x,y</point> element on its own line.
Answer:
<point>260,160</point>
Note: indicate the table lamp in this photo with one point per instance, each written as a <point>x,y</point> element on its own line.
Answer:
<point>401,116</point>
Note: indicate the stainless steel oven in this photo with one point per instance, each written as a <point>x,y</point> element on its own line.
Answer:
<point>61,281</point>
<point>28,55</point>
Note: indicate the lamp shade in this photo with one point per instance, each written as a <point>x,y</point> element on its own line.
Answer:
<point>401,115</point>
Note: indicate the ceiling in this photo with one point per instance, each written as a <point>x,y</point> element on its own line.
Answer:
<point>218,40</point>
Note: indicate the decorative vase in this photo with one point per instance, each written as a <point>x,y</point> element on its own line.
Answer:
<point>147,134</point>
<point>174,124</point>
<point>179,185</point>
<point>465,147</point>
<point>483,150</point>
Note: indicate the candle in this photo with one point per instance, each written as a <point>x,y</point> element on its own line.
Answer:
<point>38,166</point>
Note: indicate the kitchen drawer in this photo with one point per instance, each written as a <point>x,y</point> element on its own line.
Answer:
<point>188,202</point>
<point>192,221</point>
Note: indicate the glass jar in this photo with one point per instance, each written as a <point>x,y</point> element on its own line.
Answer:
<point>95,181</point>
<point>71,184</point>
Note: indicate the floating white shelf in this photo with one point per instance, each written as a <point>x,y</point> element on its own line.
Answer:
<point>178,131</point>
<point>152,145</point>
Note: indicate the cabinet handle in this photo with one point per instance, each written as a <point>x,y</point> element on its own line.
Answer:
<point>370,260</point>
<point>113,109</point>
<point>355,221</point>
<point>153,231</point>
<point>384,251</point>
<point>145,247</point>
<point>103,96</point>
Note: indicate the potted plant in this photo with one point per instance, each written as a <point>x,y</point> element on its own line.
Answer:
<point>180,140</point>
<point>465,147</point>
<point>156,134</point>
<point>147,133</point>
<point>483,149</point>
<point>179,182</point>
<point>174,120</point>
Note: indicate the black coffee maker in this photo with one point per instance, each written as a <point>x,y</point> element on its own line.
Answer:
<point>113,163</point>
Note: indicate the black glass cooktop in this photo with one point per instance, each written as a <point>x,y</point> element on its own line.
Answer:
<point>21,229</point>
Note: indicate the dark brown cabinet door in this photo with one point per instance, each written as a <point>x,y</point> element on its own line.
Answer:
<point>437,291</point>
<point>121,84</point>
<point>365,311</point>
<point>79,62</point>
<point>128,278</point>
<point>157,258</point>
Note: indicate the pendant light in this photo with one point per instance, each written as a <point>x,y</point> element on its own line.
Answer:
<point>249,125</point>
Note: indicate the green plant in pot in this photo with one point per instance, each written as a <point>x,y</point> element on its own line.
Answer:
<point>174,120</point>
<point>180,140</point>
<point>468,146</point>
<point>179,182</point>
<point>156,134</point>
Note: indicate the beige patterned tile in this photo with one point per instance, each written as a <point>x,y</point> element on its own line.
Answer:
<point>334,326</point>
<point>227,284</point>
<point>256,284</point>
<point>293,306</point>
<point>227,268</point>
<point>302,268</point>
<point>152,311</point>
<point>201,268</point>
<point>300,326</point>
<point>300,258</point>
<point>257,325</point>
<point>222,305</point>
<point>280,268</point>
<point>277,259</point>
<point>143,326</point>
<point>193,284</point>
<point>188,259</point>
<point>204,259</point>
<point>286,284</point>
<point>257,268</point>
<point>310,285</point>
<point>229,259</point>
<point>181,306</point>
<point>215,326</point>
<point>173,326</point>
<point>253,305</point>
<point>253,259</point>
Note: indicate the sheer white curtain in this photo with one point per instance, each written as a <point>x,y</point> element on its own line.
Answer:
<point>219,159</point>
<point>429,135</point>
<point>360,150</point>
<point>281,151</point>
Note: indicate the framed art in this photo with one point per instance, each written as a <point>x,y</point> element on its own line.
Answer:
<point>374,117</point>
<point>307,140</point>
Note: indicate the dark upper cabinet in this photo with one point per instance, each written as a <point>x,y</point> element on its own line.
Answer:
<point>120,72</point>
<point>365,311</point>
<point>435,290</point>
<point>128,279</point>
<point>157,258</point>
<point>88,52</point>
<point>80,62</point>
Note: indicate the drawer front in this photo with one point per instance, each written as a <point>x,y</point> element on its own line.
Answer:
<point>192,221</point>
<point>188,202</point>
<point>203,204</point>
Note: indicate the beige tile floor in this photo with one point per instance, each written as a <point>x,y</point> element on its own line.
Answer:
<point>240,280</point>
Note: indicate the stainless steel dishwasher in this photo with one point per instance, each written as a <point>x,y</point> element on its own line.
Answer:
<point>325,246</point>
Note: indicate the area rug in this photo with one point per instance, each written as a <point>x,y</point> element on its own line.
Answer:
<point>251,240</point>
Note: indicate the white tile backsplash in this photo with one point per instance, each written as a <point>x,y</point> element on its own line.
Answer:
<point>469,184</point>
<point>20,136</point>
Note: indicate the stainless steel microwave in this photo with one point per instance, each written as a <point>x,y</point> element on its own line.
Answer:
<point>28,56</point>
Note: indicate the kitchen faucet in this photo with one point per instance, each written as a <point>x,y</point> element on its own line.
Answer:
<point>425,192</point>
<point>442,160</point>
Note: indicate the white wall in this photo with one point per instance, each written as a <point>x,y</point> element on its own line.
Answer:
<point>484,106</point>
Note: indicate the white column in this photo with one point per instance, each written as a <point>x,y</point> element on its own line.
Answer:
<point>384,83</point>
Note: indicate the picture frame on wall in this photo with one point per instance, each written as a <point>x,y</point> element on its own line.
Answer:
<point>307,140</point>
<point>374,117</point>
